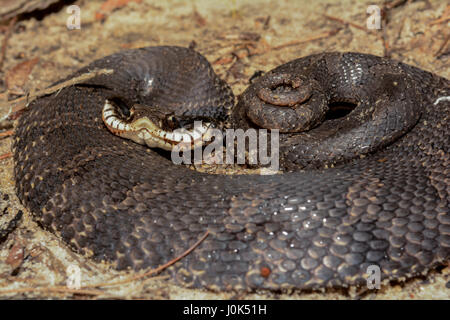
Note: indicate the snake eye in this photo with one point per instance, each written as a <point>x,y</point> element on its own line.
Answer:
<point>172,122</point>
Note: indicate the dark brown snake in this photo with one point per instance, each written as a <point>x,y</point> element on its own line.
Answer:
<point>371,187</point>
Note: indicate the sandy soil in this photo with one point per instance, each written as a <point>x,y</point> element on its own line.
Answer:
<point>33,263</point>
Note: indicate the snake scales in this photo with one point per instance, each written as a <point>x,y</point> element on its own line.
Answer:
<point>367,188</point>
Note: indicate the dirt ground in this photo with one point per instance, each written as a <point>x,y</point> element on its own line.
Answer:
<point>239,38</point>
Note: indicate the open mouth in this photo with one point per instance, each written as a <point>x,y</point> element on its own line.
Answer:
<point>147,132</point>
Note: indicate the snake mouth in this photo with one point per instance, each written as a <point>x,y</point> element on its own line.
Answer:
<point>146,132</point>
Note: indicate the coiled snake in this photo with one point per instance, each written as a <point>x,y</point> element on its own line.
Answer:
<point>367,187</point>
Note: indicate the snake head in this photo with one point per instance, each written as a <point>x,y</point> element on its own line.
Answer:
<point>158,129</point>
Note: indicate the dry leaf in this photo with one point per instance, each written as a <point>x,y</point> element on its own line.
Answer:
<point>15,256</point>
<point>198,18</point>
<point>17,76</point>
<point>110,5</point>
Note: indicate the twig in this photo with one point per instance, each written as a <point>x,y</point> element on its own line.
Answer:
<point>6,133</point>
<point>442,47</point>
<point>5,156</point>
<point>348,23</point>
<point>9,279</point>
<point>444,18</point>
<point>6,116</point>
<point>386,49</point>
<point>12,225</point>
<point>54,289</point>
<point>249,52</point>
<point>24,101</point>
<point>234,55</point>
<point>225,60</point>
<point>5,40</point>
<point>369,31</point>
<point>394,4</point>
<point>440,20</point>
<point>312,38</point>
<point>385,11</point>
<point>86,289</point>
<point>152,271</point>
<point>266,23</point>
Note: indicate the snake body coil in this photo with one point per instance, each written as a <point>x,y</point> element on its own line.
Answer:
<point>383,200</point>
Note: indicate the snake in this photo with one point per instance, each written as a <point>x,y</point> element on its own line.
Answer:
<point>363,177</point>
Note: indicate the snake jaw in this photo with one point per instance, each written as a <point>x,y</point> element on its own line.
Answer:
<point>145,131</point>
<point>112,120</point>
